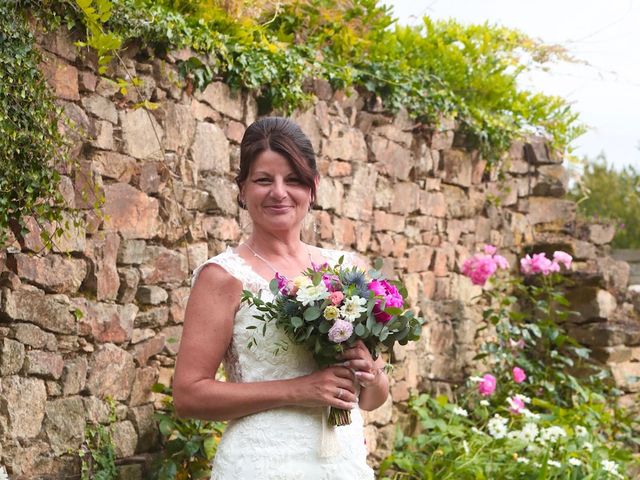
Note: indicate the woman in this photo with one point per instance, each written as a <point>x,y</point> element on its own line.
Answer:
<point>277,403</point>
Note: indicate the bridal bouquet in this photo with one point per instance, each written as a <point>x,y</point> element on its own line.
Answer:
<point>329,308</point>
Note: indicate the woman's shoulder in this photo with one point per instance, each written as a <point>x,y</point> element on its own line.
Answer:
<point>227,260</point>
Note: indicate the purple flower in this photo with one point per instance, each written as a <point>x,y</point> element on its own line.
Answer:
<point>340,331</point>
<point>332,282</point>
<point>317,267</point>
<point>390,296</point>
<point>282,284</point>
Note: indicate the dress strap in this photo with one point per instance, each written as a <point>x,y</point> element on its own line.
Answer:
<point>235,266</point>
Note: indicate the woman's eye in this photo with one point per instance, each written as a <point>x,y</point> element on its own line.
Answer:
<point>295,181</point>
<point>262,180</point>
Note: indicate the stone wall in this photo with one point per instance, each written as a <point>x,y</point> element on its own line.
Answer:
<point>632,257</point>
<point>100,315</point>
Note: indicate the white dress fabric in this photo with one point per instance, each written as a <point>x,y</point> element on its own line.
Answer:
<point>288,443</point>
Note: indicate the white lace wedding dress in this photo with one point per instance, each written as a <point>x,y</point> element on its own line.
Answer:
<point>292,443</point>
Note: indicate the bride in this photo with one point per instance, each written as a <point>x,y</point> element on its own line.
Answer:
<point>276,404</point>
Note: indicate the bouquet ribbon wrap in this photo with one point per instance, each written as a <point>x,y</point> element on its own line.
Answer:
<point>329,444</point>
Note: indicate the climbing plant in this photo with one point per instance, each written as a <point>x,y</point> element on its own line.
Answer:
<point>31,145</point>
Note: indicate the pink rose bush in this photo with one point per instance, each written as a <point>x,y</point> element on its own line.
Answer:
<point>519,375</point>
<point>487,385</point>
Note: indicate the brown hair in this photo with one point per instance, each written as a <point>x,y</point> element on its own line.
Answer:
<point>282,136</point>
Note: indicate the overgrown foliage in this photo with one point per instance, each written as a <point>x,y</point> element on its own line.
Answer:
<point>440,68</point>
<point>30,142</point>
<point>529,416</point>
<point>189,445</point>
<point>610,195</point>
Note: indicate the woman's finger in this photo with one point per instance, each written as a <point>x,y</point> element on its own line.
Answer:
<point>365,379</point>
<point>361,365</point>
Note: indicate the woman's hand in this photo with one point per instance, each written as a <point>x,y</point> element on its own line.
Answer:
<point>332,386</point>
<point>358,359</point>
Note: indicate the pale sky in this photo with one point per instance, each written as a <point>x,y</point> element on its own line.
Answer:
<point>606,34</point>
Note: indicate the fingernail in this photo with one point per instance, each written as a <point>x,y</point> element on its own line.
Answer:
<point>359,373</point>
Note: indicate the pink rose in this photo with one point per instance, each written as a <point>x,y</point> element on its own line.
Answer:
<point>518,375</point>
<point>563,258</point>
<point>481,266</point>
<point>487,385</point>
<point>516,404</point>
<point>336,297</point>
<point>539,263</point>
<point>390,296</point>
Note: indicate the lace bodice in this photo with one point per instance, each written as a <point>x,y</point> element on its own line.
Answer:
<point>284,443</point>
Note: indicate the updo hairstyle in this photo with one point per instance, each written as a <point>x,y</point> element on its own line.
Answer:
<point>282,136</point>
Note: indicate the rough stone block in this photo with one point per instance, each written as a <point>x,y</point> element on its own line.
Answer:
<point>210,149</point>
<point>114,165</point>
<point>550,210</point>
<point>141,134</point>
<point>47,311</point>
<point>34,337</point>
<point>627,376</point>
<point>387,221</point>
<point>406,198</point>
<point>178,303</point>
<point>538,152</point>
<point>330,195</point>
<point>222,99</point>
<point>419,258</point>
<point>394,160</point>
<point>103,136</point>
<point>103,279</point>
<point>74,376</point>
<point>43,364</point>
<point>130,212</point>
<point>125,438</point>
<point>141,390</point>
<point>23,404</point>
<point>105,322</point>
<point>151,295</point>
<point>64,424</point>
<point>162,265</point>
<point>153,317</point>
<point>111,373</point>
<point>146,426</point>
<point>54,273</point>
<point>591,303</point>
<point>607,334</point>
<point>457,167</point>
<point>11,357</point>
<point>173,335</point>
<point>222,193</point>
<point>552,181</point>
<point>180,127</point>
<point>131,252</point>
<point>62,77</point>
<point>100,107</point>
<point>345,143</point>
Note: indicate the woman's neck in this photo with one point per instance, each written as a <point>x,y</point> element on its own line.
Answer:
<point>276,244</point>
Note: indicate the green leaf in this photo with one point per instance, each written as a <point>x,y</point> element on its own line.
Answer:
<point>312,313</point>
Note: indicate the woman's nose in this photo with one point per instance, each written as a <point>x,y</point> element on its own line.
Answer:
<point>278,189</point>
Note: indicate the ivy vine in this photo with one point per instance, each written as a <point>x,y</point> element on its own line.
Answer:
<point>31,145</point>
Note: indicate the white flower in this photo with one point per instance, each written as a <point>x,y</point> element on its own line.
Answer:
<point>497,427</point>
<point>465,445</point>
<point>476,379</point>
<point>524,398</point>
<point>581,431</point>
<point>460,411</point>
<point>484,403</point>
<point>311,293</point>
<point>3,473</point>
<point>524,460</point>
<point>588,446</point>
<point>611,467</point>
<point>529,414</point>
<point>575,462</point>
<point>551,434</point>
<point>353,307</point>
<point>554,463</point>
<point>529,432</point>
<point>477,431</point>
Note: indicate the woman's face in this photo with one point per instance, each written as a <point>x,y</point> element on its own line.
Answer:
<point>275,197</point>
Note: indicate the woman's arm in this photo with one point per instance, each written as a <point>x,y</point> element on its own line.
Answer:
<point>370,375</point>
<point>207,333</point>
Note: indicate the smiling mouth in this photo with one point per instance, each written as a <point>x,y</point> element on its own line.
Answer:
<point>279,208</point>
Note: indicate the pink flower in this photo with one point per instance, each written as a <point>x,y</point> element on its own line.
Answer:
<point>562,257</point>
<point>518,375</point>
<point>340,331</point>
<point>336,297</point>
<point>487,385</point>
<point>539,263</point>
<point>516,404</point>
<point>390,296</point>
<point>481,266</point>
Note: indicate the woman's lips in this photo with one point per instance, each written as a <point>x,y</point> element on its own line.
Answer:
<point>278,208</point>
